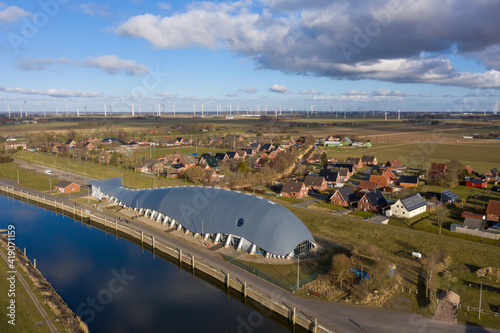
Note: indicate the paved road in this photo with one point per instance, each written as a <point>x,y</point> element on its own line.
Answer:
<point>33,298</point>
<point>335,316</point>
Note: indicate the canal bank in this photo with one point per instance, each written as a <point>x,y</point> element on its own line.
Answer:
<point>192,260</point>
<point>23,277</point>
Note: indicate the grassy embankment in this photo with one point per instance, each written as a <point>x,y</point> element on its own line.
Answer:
<point>28,318</point>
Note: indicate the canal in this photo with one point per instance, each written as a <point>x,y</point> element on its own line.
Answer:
<point>117,286</point>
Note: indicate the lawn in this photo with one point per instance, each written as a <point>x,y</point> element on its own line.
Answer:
<point>362,214</point>
<point>465,256</point>
<point>40,182</point>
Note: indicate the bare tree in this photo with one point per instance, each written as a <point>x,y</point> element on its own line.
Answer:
<point>430,264</point>
<point>341,268</point>
<point>441,215</point>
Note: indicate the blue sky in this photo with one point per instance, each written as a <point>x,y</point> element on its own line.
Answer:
<point>382,54</point>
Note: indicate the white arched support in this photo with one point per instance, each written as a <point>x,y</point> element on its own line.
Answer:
<point>240,244</point>
<point>228,241</point>
<point>217,238</point>
<point>253,248</point>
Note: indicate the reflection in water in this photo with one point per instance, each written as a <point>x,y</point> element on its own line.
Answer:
<point>115,286</point>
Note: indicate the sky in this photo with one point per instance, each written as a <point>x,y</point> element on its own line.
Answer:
<point>412,55</point>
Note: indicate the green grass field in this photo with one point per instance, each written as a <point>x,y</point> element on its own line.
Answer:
<point>480,156</point>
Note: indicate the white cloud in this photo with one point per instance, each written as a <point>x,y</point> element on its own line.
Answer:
<point>167,95</point>
<point>249,90</point>
<point>355,93</point>
<point>111,64</point>
<point>278,89</point>
<point>309,92</point>
<point>425,95</point>
<point>164,6</point>
<point>96,9</point>
<point>12,13</point>
<point>50,92</point>
<point>321,37</point>
<point>381,92</point>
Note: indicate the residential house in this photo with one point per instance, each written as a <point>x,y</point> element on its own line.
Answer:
<point>233,155</point>
<point>356,161</point>
<point>493,211</point>
<point>344,197</point>
<point>294,189</point>
<point>65,186</point>
<point>409,206</point>
<point>408,181</point>
<point>390,175</point>
<point>147,167</point>
<point>448,196</point>
<point>212,162</point>
<point>331,177</point>
<point>255,146</point>
<point>317,183</point>
<point>344,174</point>
<point>242,154</point>
<point>372,201</point>
<point>221,156</point>
<point>367,185</point>
<point>348,166</point>
<point>492,176</point>
<point>474,223</point>
<point>438,168</point>
<point>395,165</point>
<point>370,160</point>
<point>314,158</point>
<point>15,145</point>
<point>381,181</point>
<point>211,176</point>
<point>57,148</point>
<point>478,183</point>
<point>71,143</point>
<point>469,169</point>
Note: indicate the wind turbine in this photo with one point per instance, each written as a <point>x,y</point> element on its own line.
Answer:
<point>67,111</point>
<point>133,112</point>
<point>21,110</point>
<point>105,110</point>
<point>77,110</point>
<point>140,110</point>
<point>110,111</point>
<point>202,106</point>
<point>85,107</point>
<point>495,108</point>
<point>385,114</point>
<point>25,109</point>
<point>8,107</point>
<point>44,114</point>
<point>57,111</point>
<point>194,110</point>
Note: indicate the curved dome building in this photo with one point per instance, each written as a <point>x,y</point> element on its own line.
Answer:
<point>236,219</point>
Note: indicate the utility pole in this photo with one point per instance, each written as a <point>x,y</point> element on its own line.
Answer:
<point>298,267</point>
<point>480,295</point>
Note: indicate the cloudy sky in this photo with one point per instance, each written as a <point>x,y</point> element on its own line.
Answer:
<point>379,54</point>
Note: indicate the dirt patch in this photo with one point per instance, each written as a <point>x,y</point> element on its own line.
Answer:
<point>70,321</point>
<point>446,310</point>
<point>491,273</point>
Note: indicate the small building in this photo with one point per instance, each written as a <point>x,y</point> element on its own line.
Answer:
<point>408,181</point>
<point>367,185</point>
<point>65,186</point>
<point>409,206</point>
<point>317,183</point>
<point>294,189</point>
<point>438,168</point>
<point>478,183</point>
<point>372,201</point>
<point>330,176</point>
<point>369,160</point>
<point>493,211</point>
<point>381,181</point>
<point>395,165</point>
<point>344,196</point>
<point>448,196</point>
<point>492,175</point>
